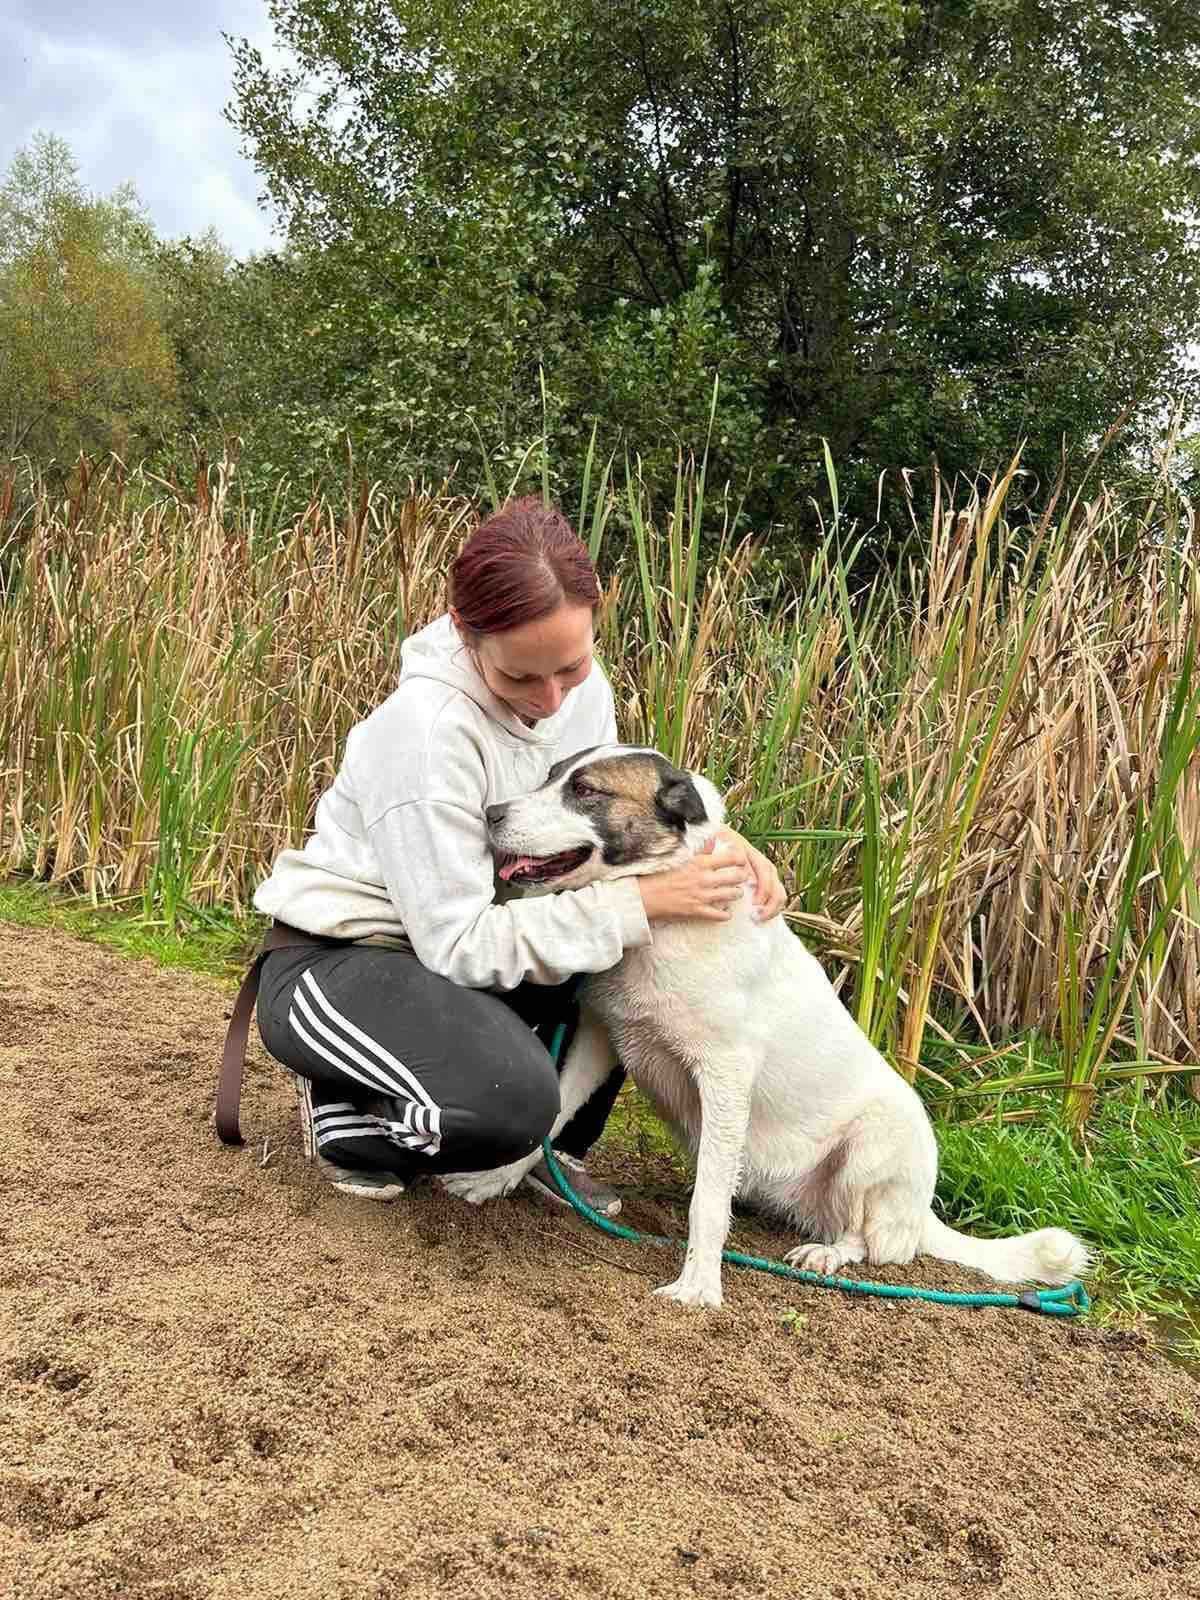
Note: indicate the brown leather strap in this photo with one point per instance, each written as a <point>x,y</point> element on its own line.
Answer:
<point>233,1056</point>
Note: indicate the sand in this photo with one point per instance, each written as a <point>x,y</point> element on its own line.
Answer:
<point>222,1379</point>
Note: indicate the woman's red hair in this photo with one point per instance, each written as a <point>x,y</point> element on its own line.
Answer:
<point>521,563</point>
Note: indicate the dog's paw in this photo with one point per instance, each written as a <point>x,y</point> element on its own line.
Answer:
<point>691,1292</point>
<point>476,1187</point>
<point>823,1258</point>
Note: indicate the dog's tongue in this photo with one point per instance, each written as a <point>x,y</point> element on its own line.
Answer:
<point>509,867</point>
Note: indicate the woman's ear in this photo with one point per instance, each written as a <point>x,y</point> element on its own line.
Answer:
<point>465,635</point>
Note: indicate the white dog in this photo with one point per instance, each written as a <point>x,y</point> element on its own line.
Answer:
<point>735,1033</point>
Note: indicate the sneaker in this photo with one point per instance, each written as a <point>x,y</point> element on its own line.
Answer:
<point>362,1184</point>
<point>592,1191</point>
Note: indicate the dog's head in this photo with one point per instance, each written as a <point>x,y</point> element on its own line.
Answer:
<point>609,812</point>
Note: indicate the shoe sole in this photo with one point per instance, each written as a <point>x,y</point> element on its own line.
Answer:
<point>391,1191</point>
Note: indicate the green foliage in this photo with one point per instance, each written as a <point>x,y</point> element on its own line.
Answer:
<point>909,229</point>
<point>214,943</point>
<point>84,361</point>
<point>201,301</point>
<point>1134,1197</point>
<point>261,378</point>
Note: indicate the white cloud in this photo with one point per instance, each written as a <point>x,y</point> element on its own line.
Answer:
<point>140,99</point>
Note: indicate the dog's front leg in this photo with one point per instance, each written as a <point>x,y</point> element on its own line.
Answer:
<point>725,1087</point>
<point>589,1061</point>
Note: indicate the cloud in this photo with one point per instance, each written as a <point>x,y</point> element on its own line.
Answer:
<point>138,94</point>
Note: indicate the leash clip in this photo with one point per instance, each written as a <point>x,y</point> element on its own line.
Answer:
<point>1067,1301</point>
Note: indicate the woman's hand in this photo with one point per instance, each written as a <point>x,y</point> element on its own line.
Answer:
<point>707,887</point>
<point>770,897</point>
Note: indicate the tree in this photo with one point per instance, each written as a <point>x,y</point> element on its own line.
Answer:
<point>84,362</point>
<point>265,357</point>
<point>928,227</point>
<point>196,278</point>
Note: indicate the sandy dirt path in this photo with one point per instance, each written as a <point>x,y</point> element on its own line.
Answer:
<point>222,1379</point>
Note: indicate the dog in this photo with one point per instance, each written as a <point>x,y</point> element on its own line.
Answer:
<point>736,1035</point>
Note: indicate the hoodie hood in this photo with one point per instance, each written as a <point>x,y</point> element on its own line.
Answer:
<point>438,653</point>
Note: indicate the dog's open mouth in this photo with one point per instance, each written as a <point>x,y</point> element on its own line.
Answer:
<point>542,869</point>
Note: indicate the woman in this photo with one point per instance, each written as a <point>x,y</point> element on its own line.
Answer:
<point>411,1019</point>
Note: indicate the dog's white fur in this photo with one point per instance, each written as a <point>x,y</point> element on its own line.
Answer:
<point>737,1036</point>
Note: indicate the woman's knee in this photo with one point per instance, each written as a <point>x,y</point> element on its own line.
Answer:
<point>484,1087</point>
<point>508,1117</point>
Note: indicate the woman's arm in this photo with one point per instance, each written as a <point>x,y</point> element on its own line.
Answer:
<point>435,860</point>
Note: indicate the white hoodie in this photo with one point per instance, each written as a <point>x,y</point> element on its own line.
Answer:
<point>399,850</point>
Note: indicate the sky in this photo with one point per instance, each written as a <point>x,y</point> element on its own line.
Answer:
<point>136,88</point>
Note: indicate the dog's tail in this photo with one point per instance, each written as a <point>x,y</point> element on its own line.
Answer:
<point>1051,1255</point>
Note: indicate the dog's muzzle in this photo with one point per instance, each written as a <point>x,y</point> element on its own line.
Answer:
<point>520,869</point>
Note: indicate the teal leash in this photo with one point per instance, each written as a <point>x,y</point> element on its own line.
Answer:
<point>1069,1300</point>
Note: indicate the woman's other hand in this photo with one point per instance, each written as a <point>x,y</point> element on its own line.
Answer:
<point>770,897</point>
<point>707,887</point>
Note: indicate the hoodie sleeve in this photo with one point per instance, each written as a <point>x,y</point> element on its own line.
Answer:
<point>438,869</point>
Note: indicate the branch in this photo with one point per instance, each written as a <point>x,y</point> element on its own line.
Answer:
<point>663,187</point>
<point>735,94</point>
<point>656,298</point>
<point>20,439</point>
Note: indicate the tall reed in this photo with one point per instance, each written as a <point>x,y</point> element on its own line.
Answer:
<point>978,773</point>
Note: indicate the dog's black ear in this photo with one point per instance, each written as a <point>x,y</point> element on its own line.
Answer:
<point>678,800</point>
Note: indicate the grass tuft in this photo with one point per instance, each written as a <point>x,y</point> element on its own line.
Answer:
<point>215,944</point>
<point>1134,1196</point>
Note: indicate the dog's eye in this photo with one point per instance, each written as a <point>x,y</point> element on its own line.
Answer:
<point>580,785</point>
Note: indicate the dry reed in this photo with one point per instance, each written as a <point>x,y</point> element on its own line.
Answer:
<point>979,774</point>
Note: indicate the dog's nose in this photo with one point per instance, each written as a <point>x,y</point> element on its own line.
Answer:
<point>494,814</point>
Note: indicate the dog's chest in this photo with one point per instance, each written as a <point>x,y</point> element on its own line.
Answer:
<point>639,993</point>
<point>650,1032</point>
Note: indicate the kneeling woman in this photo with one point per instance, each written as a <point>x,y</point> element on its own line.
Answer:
<point>414,1019</point>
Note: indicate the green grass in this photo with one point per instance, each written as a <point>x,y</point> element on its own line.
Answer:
<point>214,943</point>
<point>635,1129</point>
<point>1133,1193</point>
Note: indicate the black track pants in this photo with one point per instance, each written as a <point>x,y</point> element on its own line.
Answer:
<point>413,1073</point>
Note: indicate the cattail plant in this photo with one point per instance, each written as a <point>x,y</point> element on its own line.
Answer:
<point>977,771</point>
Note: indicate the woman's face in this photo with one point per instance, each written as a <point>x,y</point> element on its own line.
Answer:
<point>534,667</point>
